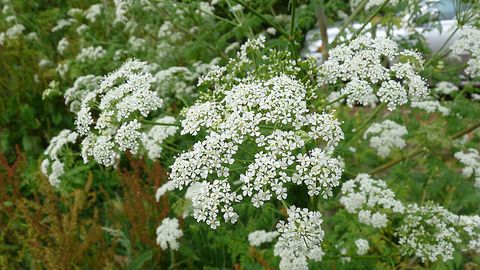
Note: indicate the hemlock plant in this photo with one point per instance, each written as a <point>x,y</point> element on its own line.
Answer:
<point>268,132</point>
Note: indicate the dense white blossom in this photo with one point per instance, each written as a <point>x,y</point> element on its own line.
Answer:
<point>388,135</point>
<point>93,11</point>
<point>431,106</point>
<point>56,148</point>
<point>428,232</point>
<point>62,70</point>
<point>121,8</point>
<point>153,140</point>
<point>259,237</point>
<point>364,195</point>
<point>163,189</point>
<point>122,96</point>
<point>91,53</point>
<point>472,162</point>
<point>233,116</point>
<point>62,45</point>
<point>445,88</point>
<point>168,233</point>
<point>360,65</point>
<point>15,31</point>
<point>300,238</point>
<point>63,23</point>
<point>362,246</point>
<point>82,29</point>
<point>469,41</point>
<point>73,12</point>
<point>81,87</point>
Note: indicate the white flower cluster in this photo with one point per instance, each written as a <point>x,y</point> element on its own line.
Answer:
<point>445,88</point>
<point>259,237</point>
<point>53,151</point>
<point>428,232</point>
<point>175,80</point>
<point>431,106</point>
<point>15,31</point>
<point>168,233</point>
<point>359,64</point>
<point>156,135</point>
<point>389,136</point>
<point>472,162</point>
<point>121,8</point>
<point>362,246</point>
<point>471,225</point>
<point>82,29</point>
<point>363,195</point>
<point>469,41</point>
<point>62,45</point>
<point>91,53</point>
<point>233,121</point>
<point>63,23</point>
<point>300,238</point>
<point>163,189</point>
<point>93,11</point>
<point>81,87</point>
<point>62,70</point>
<point>124,94</point>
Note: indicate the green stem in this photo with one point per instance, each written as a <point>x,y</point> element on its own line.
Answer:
<point>292,19</point>
<point>263,18</point>
<point>336,100</point>
<point>380,107</point>
<point>370,18</point>
<point>237,169</point>
<point>349,20</point>
<point>314,200</point>
<point>245,150</point>
<point>419,150</point>
<point>186,31</point>
<point>444,44</point>
<point>170,148</point>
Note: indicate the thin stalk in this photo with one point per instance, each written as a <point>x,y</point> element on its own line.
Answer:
<point>259,15</point>
<point>170,148</point>
<point>292,20</point>
<point>350,20</point>
<point>380,107</point>
<point>336,100</point>
<point>465,131</point>
<point>245,150</point>
<point>314,200</point>
<point>237,169</point>
<point>290,38</point>
<point>186,31</point>
<point>370,18</point>
<point>394,162</point>
<point>441,48</point>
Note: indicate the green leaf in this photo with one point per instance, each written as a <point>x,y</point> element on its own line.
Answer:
<point>140,260</point>
<point>188,252</point>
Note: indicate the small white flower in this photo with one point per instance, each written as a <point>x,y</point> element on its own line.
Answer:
<point>259,237</point>
<point>389,136</point>
<point>362,246</point>
<point>472,162</point>
<point>168,233</point>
